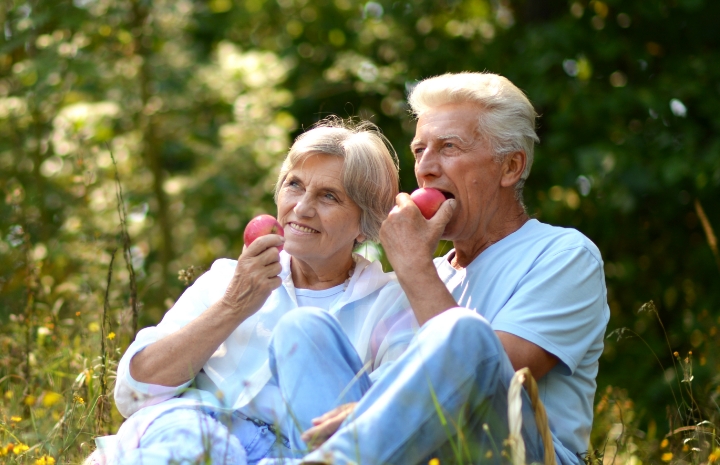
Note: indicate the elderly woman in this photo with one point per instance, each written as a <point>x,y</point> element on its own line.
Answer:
<point>199,386</point>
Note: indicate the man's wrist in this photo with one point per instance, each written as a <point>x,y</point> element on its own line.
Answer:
<point>411,269</point>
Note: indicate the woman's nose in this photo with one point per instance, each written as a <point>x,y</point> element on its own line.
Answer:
<point>304,207</point>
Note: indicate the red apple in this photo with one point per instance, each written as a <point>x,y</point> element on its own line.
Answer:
<point>428,200</point>
<point>261,225</point>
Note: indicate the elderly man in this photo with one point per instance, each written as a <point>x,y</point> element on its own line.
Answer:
<point>513,293</point>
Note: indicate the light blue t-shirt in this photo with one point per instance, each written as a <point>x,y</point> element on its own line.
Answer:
<point>545,284</point>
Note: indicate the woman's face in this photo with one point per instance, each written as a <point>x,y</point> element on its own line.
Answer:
<point>321,222</point>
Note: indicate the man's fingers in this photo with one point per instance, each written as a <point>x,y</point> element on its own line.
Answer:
<point>444,213</point>
<point>403,199</point>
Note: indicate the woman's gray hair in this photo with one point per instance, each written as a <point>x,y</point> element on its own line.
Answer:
<point>508,123</point>
<point>370,166</point>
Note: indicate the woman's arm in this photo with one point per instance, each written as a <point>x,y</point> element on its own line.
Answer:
<point>178,357</point>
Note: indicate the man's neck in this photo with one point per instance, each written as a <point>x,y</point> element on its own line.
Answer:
<point>468,250</point>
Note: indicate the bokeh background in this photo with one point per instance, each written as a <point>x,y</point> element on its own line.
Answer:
<point>192,104</point>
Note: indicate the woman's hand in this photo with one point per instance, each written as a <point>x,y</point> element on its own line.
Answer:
<point>256,276</point>
<point>326,425</point>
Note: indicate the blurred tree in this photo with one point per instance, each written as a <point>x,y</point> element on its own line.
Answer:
<point>198,100</point>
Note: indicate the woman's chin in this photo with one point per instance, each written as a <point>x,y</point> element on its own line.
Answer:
<point>296,250</point>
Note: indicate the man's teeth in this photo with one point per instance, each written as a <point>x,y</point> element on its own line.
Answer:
<point>297,227</point>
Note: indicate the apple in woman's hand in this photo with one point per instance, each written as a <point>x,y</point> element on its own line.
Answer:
<point>260,226</point>
<point>428,200</point>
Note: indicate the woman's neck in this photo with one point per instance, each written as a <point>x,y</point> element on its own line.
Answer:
<point>307,275</point>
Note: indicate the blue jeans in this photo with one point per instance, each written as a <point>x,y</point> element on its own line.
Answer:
<point>451,383</point>
<point>316,368</point>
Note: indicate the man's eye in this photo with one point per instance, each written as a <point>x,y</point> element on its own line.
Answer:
<point>449,145</point>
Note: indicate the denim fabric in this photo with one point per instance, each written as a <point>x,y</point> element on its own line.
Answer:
<point>316,368</point>
<point>454,377</point>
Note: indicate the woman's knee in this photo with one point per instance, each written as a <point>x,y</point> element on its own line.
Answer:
<point>310,323</point>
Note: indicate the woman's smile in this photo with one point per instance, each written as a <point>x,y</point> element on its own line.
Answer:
<point>302,229</point>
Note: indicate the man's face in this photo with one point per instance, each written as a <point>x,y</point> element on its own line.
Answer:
<point>451,156</point>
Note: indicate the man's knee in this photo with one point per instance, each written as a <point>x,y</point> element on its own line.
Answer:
<point>461,329</point>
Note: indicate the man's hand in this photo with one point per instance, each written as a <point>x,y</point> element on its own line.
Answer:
<point>408,238</point>
<point>409,241</point>
<point>326,425</point>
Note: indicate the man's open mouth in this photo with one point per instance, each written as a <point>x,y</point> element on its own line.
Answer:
<point>447,195</point>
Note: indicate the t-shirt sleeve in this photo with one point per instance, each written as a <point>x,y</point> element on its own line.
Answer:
<point>559,305</point>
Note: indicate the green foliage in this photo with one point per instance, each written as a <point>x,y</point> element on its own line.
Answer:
<point>198,101</point>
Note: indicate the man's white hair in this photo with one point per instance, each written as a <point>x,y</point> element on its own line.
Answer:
<point>506,119</point>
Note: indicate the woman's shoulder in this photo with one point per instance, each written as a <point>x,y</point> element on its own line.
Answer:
<point>223,264</point>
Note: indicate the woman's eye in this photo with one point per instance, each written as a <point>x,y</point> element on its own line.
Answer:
<point>330,197</point>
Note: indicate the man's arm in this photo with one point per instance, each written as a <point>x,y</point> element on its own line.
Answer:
<point>409,241</point>
<point>523,353</point>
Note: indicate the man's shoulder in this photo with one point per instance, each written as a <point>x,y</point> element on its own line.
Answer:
<point>554,239</point>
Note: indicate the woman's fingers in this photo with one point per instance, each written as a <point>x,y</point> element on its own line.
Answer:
<point>326,425</point>
<point>334,412</point>
<point>262,244</point>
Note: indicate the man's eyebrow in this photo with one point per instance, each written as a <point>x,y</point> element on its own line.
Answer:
<point>451,136</point>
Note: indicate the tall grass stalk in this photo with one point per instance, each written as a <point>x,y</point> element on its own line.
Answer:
<point>125,239</point>
<point>103,404</point>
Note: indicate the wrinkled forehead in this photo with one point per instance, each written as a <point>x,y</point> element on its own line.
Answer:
<point>459,121</point>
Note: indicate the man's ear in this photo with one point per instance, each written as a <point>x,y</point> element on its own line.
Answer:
<point>512,168</point>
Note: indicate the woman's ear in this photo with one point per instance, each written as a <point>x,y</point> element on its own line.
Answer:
<point>360,238</point>
<point>513,167</point>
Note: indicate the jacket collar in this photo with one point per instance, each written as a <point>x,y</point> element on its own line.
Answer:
<point>367,278</point>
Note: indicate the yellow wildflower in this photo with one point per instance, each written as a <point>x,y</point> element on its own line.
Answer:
<point>94,327</point>
<point>20,448</point>
<point>666,457</point>
<point>714,457</point>
<point>51,398</point>
<point>29,400</point>
<point>434,461</point>
<point>45,460</point>
<point>8,395</point>
<point>111,336</point>
<point>79,399</point>
<point>15,418</point>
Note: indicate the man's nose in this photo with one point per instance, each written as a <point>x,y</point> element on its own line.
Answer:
<point>427,166</point>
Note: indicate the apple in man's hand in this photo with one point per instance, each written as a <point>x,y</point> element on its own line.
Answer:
<point>260,226</point>
<point>428,200</point>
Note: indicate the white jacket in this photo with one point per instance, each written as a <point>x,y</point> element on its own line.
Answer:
<point>373,311</point>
